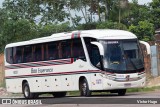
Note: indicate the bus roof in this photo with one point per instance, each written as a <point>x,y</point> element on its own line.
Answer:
<point>107,34</point>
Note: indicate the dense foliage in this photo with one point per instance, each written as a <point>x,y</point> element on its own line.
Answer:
<point>27,19</point>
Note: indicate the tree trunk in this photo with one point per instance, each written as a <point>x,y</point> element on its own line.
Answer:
<point>98,10</point>
<point>107,11</point>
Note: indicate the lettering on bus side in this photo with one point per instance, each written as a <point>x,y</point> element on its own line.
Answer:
<point>40,70</point>
<point>33,70</point>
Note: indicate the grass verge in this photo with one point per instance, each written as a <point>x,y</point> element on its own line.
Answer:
<point>145,89</point>
<point>3,84</point>
<point>130,90</point>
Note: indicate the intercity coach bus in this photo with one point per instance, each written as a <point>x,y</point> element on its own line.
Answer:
<point>85,61</point>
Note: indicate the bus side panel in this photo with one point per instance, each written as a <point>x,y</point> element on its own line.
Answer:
<point>66,78</point>
<point>96,81</point>
<point>14,85</point>
<point>63,77</point>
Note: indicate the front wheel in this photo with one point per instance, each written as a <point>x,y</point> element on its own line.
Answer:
<point>84,88</point>
<point>26,92</point>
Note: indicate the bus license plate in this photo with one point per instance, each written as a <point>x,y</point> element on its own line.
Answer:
<point>127,84</point>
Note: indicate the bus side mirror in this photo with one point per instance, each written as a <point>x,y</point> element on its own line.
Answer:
<point>100,47</point>
<point>101,51</point>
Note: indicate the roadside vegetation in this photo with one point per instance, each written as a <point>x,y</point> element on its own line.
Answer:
<point>27,19</point>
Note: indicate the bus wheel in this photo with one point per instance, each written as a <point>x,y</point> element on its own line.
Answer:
<point>59,94</point>
<point>121,92</point>
<point>84,88</point>
<point>26,91</point>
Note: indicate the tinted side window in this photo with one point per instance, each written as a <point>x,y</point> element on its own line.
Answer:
<point>66,48</point>
<point>52,50</point>
<point>77,49</point>
<point>38,52</point>
<point>9,55</point>
<point>93,51</point>
<point>18,55</point>
<point>27,56</point>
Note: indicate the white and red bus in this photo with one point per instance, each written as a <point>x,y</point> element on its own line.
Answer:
<point>89,60</point>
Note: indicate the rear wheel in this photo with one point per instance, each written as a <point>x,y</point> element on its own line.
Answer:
<point>84,88</point>
<point>59,94</point>
<point>26,92</point>
<point>121,92</point>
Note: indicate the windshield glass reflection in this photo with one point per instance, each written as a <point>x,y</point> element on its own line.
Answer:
<point>122,56</point>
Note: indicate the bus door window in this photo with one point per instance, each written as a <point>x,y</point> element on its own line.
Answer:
<point>93,51</point>
<point>95,56</point>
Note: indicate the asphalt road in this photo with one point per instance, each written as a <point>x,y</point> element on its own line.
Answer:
<point>147,99</point>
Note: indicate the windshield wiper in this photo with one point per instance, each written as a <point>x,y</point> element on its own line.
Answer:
<point>133,64</point>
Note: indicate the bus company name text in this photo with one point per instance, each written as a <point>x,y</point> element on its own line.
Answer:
<point>40,70</point>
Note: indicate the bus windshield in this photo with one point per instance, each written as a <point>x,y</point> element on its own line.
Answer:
<point>122,56</point>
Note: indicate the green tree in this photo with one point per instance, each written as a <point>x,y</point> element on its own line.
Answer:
<point>155,13</point>
<point>111,25</point>
<point>136,13</point>
<point>22,9</point>
<point>49,29</point>
<point>144,30</point>
<point>53,11</point>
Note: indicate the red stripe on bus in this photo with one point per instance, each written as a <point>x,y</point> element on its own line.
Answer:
<point>68,61</point>
<point>63,73</point>
<point>79,33</point>
<point>72,36</point>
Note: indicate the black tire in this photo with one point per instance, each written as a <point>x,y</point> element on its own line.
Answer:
<point>59,94</point>
<point>84,88</point>
<point>121,92</point>
<point>26,91</point>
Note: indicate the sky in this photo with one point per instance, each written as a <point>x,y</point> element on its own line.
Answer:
<point>139,1</point>
<point>142,1</point>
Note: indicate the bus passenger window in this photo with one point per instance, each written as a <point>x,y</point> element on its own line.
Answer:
<point>66,49</point>
<point>18,54</point>
<point>9,55</point>
<point>38,52</point>
<point>77,49</point>
<point>52,51</point>
<point>27,57</point>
